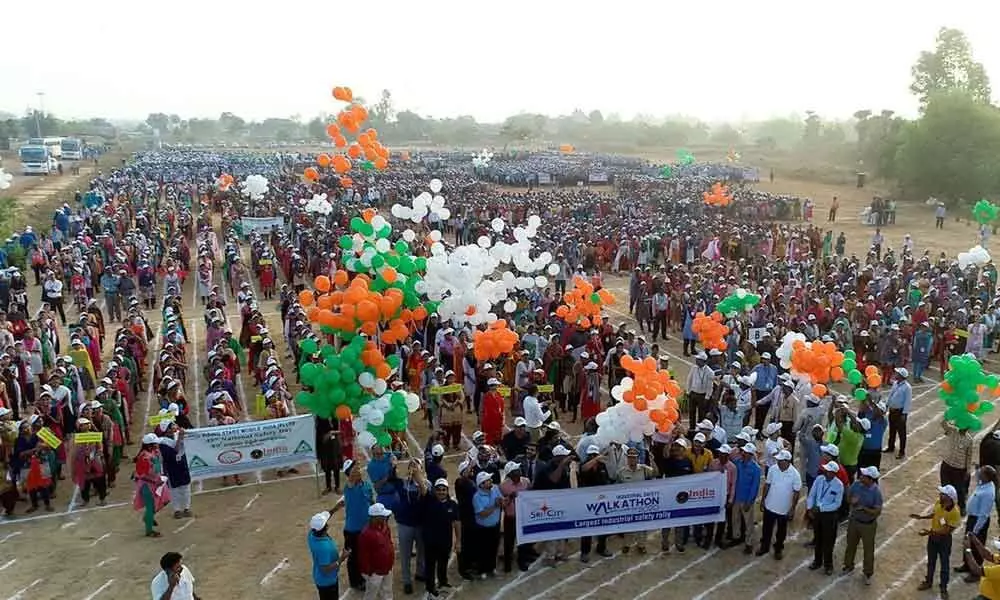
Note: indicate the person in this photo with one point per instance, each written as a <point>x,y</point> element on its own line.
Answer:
<point>326,559</point>
<point>957,460</point>
<point>376,554</point>
<point>174,581</point>
<point>780,496</point>
<point>717,531</point>
<point>488,505</point>
<point>358,496</point>
<point>442,532</point>
<point>515,442</point>
<point>151,493</point>
<point>748,474</point>
<point>988,575</point>
<point>676,464</point>
<point>899,402</point>
<point>89,466</point>
<point>865,499</point>
<point>822,505</point>
<point>554,475</point>
<point>945,518</point>
<point>633,470</point>
<point>871,446</point>
<point>408,521</point>
<point>175,465</point>
<point>979,509</point>
<point>594,472</point>
<point>699,387</point>
<point>512,485</point>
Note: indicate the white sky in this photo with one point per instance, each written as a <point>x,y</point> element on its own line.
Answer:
<point>722,59</point>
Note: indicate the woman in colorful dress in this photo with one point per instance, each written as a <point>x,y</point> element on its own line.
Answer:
<point>151,493</point>
<point>89,468</point>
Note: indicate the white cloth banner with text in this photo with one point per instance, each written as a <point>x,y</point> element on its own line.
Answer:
<point>251,446</point>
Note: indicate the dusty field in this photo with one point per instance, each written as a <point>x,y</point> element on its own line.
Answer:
<point>249,541</point>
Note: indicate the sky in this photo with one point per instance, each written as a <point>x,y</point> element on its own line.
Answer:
<point>719,60</point>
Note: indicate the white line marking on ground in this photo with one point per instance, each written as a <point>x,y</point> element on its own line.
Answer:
<point>106,585</point>
<point>584,568</point>
<point>895,585</point>
<point>282,564</point>
<point>106,561</point>
<point>99,540</point>
<point>674,576</point>
<point>19,595</point>
<point>186,549</point>
<point>8,563</point>
<point>250,502</point>
<point>184,526</point>
<point>10,535</point>
<point>72,523</point>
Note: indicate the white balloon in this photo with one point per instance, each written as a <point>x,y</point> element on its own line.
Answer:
<point>382,245</point>
<point>435,236</point>
<point>377,419</point>
<point>412,402</point>
<point>437,203</point>
<point>444,213</point>
<point>541,281</point>
<point>534,221</point>
<point>553,269</point>
<point>424,199</point>
<point>366,380</point>
<point>409,235</point>
<point>436,185</point>
<point>483,242</point>
<point>509,306</point>
<point>378,222</point>
<point>366,439</point>
<point>497,224</point>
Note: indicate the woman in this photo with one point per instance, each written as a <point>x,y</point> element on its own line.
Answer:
<point>89,469</point>
<point>330,455</point>
<point>451,406</point>
<point>590,391</point>
<point>30,464</point>
<point>491,420</point>
<point>151,493</point>
<point>487,504</point>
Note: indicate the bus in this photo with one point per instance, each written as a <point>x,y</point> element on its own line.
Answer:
<point>72,149</point>
<point>37,160</point>
<point>54,144</point>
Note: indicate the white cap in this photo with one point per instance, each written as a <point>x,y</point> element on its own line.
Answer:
<point>441,483</point>
<point>699,437</point>
<point>783,455</point>
<point>744,436</point>
<point>379,510</point>
<point>520,422</point>
<point>831,467</point>
<point>725,449</point>
<point>772,428</point>
<point>750,448</point>
<point>560,450</point>
<point>510,467</point>
<point>706,425</point>
<point>701,356</point>
<point>347,465</point>
<point>482,477</point>
<point>150,438</point>
<point>319,520</point>
<point>591,366</point>
<point>100,390</point>
<point>949,490</point>
<point>870,472</point>
<point>830,449</point>
<point>593,449</point>
<point>554,426</point>
<point>766,355</point>
<point>902,372</point>
<point>82,421</point>
<point>682,441</point>
<point>492,381</point>
<point>437,450</point>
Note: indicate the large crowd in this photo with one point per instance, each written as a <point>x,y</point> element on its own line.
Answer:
<point>75,362</point>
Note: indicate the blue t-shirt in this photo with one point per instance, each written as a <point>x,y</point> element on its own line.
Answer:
<point>483,500</point>
<point>357,499</point>
<point>324,552</point>
<point>874,436</point>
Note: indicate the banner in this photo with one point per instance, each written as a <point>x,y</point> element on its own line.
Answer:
<point>598,177</point>
<point>445,389</point>
<point>252,446</point>
<point>755,334</point>
<point>546,388</point>
<point>90,437</point>
<point>261,224</point>
<point>544,515</point>
<point>51,439</point>
<point>544,178</point>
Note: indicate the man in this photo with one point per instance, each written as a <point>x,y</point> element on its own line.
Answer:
<point>865,499</point>
<point>957,461</point>
<point>326,560</point>
<point>554,475</point>
<point>781,494</point>
<point>593,472</point>
<point>989,575</point>
<point>700,382</point>
<point>722,463</point>
<point>945,518</point>
<point>822,505</point>
<point>174,581</point>
<point>376,553</point>
<point>515,441</point>
<point>660,307</point>
<point>871,447</point>
<point>440,527</point>
<point>358,496</point>
<point>765,378</point>
<point>899,401</point>
<point>512,485</point>
<point>745,496</point>
<point>633,471</point>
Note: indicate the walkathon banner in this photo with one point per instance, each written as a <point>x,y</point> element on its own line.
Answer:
<point>249,225</point>
<point>252,446</point>
<point>544,515</point>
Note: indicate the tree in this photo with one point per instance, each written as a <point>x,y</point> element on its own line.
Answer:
<point>383,112</point>
<point>233,125</point>
<point>950,68</point>
<point>159,122</point>
<point>726,134</point>
<point>951,151</point>
<point>317,128</point>
<point>595,117</point>
<point>813,129</point>
<point>861,125</point>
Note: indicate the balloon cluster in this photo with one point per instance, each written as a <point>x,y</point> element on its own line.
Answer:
<point>738,302</point>
<point>977,255</point>
<point>647,402</point>
<point>353,383</point>
<point>497,340</point>
<point>566,148</point>
<point>224,181</point>
<point>255,186</point>
<point>666,171</point>
<point>5,179</point>
<point>961,389</point>
<point>711,331</point>
<point>984,211</point>
<point>684,157</point>
<point>318,204</point>
<point>369,250</point>
<point>366,148</point>
<point>717,196</point>
<point>820,362</point>
<point>732,156</point>
<point>482,160</point>
<point>583,304</point>
<point>423,205</point>
<point>359,308</point>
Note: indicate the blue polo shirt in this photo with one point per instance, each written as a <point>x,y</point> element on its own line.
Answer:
<point>324,552</point>
<point>357,499</point>
<point>874,436</point>
<point>483,500</point>
<point>747,481</point>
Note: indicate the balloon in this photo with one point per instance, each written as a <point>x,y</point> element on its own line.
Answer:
<point>819,390</point>
<point>311,174</point>
<point>855,377</point>
<point>343,412</point>
<point>860,394</point>
<point>322,283</point>
<point>306,297</point>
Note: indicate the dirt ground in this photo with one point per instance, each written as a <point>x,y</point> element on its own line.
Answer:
<point>249,541</point>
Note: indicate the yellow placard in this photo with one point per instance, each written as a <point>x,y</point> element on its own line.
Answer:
<point>504,391</point>
<point>90,437</point>
<point>260,407</point>
<point>962,333</point>
<point>446,389</point>
<point>51,440</point>
<point>546,389</point>
<point>157,419</point>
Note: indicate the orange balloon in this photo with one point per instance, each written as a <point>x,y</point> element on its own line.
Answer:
<point>354,151</point>
<point>381,163</point>
<point>370,153</point>
<point>419,313</point>
<point>364,139</point>
<point>359,112</point>
<point>332,130</point>
<point>372,133</point>
<point>322,283</point>
<point>367,310</point>
<point>306,298</point>
<point>343,412</point>
<point>339,140</point>
<point>323,160</point>
<point>341,164</point>
<point>369,328</point>
<point>383,370</point>
<point>346,182</point>
<point>326,317</point>
<point>389,274</point>
<point>311,174</point>
<point>819,390</point>
<point>340,277</point>
<point>313,313</point>
<point>325,301</point>
<point>368,214</point>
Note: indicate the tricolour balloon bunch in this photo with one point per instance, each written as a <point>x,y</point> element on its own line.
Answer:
<point>738,302</point>
<point>5,179</point>
<point>482,159</point>
<point>820,362</point>
<point>984,211</point>
<point>710,330</point>
<point>496,341</point>
<point>352,383</point>
<point>961,391</point>
<point>583,305</point>
<point>318,204</point>
<point>647,402</point>
<point>717,196</point>
<point>224,181</point>
<point>255,186</point>
<point>359,308</point>
<point>977,255</point>
<point>366,148</point>
<point>390,264</point>
<point>424,205</point>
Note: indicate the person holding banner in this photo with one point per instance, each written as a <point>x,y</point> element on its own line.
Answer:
<point>88,462</point>
<point>633,470</point>
<point>594,472</point>
<point>176,467</point>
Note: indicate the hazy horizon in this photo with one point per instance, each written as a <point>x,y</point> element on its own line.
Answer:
<point>446,59</point>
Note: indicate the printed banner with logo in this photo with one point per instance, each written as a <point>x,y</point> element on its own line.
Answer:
<point>261,224</point>
<point>544,515</point>
<point>252,446</point>
<point>598,177</point>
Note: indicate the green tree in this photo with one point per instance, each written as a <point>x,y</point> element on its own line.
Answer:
<point>383,112</point>
<point>159,121</point>
<point>950,153</point>
<point>232,124</point>
<point>950,68</point>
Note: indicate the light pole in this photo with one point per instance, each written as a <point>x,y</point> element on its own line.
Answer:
<point>41,108</point>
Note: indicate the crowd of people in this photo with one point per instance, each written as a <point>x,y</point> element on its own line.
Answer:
<point>163,219</point>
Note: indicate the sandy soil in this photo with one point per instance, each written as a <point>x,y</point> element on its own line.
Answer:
<point>249,541</point>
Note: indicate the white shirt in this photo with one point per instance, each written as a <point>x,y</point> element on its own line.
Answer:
<point>53,288</point>
<point>533,413</point>
<point>184,590</point>
<point>783,484</point>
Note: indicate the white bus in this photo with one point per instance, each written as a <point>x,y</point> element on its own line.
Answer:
<point>37,160</point>
<point>72,149</point>
<point>54,144</point>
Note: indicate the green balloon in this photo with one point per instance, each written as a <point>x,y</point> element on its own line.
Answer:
<point>849,365</point>
<point>366,229</point>
<point>595,298</point>
<point>309,373</point>
<point>384,232</point>
<point>393,362</point>
<point>855,377</point>
<point>420,263</point>
<point>377,261</point>
<point>309,346</point>
<point>338,396</point>
<point>860,394</point>
<point>850,354</point>
<point>402,247</point>
<point>346,242</point>
<point>356,224</point>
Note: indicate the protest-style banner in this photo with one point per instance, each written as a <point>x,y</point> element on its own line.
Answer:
<point>155,420</point>
<point>544,515</point>
<point>51,439</point>
<point>547,388</point>
<point>90,437</point>
<point>249,225</point>
<point>252,446</point>
<point>544,178</point>
<point>446,389</point>
<point>504,391</point>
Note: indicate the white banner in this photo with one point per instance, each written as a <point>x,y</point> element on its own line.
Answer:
<point>262,224</point>
<point>755,334</point>
<point>598,177</point>
<point>544,515</point>
<point>544,178</point>
<point>252,446</point>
